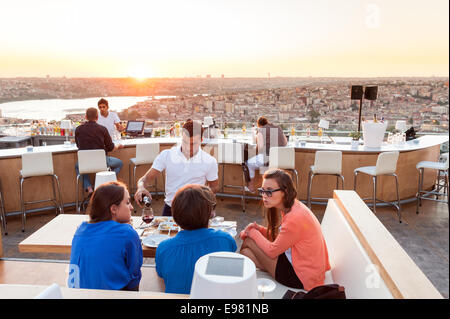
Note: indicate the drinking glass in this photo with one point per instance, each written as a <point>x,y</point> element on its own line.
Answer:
<point>147,215</point>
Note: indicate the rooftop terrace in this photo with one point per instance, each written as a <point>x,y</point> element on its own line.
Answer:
<point>425,237</point>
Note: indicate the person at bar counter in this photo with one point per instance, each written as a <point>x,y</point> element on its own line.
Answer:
<point>294,251</point>
<point>184,164</point>
<point>89,136</point>
<point>267,135</point>
<point>175,258</point>
<point>106,250</point>
<point>108,119</point>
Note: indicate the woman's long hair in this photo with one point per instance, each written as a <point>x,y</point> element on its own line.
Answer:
<point>104,197</point>
<point>286,184</point>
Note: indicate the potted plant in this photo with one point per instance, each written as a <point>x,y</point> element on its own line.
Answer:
<point>355,138</point>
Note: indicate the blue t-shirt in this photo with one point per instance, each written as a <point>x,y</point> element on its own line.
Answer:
<point>176,257</point>
<point>105,255</point>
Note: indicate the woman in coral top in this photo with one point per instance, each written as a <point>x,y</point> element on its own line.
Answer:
<point>293,251</point>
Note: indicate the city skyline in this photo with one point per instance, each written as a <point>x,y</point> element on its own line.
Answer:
<point>351,38</point>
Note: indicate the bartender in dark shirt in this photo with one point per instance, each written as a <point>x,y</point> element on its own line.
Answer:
<point>91,136</point>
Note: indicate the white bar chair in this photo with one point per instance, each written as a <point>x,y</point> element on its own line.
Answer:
<point>37,165</point>
<point>386,165</point>
<point>2,210</point>
<point>89,162</point>
<point>325,163</point>
<point>283,158</point>
<point>145,155</point>
<point>231,154</point>
<point>441,167</point>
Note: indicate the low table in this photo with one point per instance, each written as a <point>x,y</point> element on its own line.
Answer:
<point>56,236</point>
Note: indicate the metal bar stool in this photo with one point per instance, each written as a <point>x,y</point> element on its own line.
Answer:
<point>232,154</point>
<point>441,167</point>
<point>386,165</point>
<point>283,158</point>
<point>89,162</point>
<point>3,212</point>
<point>37,165</point>
<point>325,163</point>
<point>145,155</point>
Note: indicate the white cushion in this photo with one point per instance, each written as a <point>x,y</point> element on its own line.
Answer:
<point>91,161</point>
<point>327,162</point>
<point>387,163</point>
<point>370,170</point>
<point>282,157</point>
<point>146,153</point>
<point>230,153</point>
<point>351,266</point>
<point>432,165</point>
<point>37,164</point>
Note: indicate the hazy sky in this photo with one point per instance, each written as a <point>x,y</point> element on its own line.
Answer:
<point>249,38</point>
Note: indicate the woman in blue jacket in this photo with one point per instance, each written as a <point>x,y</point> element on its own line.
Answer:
<point>175,258</point>
<point>106,250</point>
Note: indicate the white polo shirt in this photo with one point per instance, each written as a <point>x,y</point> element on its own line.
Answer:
<point>181,171</point>
<point>108,122</point>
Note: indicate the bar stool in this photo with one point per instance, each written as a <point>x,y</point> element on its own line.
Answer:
<point>325,163</point>
<point>89,162</point>
<point>283,158</point>
<point>441,166</point>
<point>386,165</point>
<point>38,165</point>
<point>3,212</point>
<point>232,154</point>
<point>145,155</point>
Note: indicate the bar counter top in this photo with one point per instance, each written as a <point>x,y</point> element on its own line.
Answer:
<point>341,144</point>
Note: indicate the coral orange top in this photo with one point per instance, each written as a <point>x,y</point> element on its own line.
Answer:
<point>300,231</point>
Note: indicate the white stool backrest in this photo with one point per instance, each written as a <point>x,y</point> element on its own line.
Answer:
<point>104,177</point>
<point>328,162</point>
<point>386,163</point>
<point>146,153</point>
<point>91,161</point>
<point>351,266</point>
<point>37,164</point>
<point>282,157</point>
<point>230,153</point>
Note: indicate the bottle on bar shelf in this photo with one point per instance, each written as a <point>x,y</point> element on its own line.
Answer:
<point>375,118</point>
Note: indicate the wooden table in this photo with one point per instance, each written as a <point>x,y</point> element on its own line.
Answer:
<point>56,236</point>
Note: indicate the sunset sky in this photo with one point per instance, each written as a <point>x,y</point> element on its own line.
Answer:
<point>237,38</point>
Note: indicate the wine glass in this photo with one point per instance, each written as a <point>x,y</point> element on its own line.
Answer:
<point>265,285</point>
<point>147,215</point>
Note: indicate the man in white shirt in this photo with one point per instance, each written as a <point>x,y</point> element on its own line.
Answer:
<point>184,164</point>
<point>108,119</point>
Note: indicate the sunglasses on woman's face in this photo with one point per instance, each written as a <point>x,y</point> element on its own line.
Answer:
<point>267,192</point>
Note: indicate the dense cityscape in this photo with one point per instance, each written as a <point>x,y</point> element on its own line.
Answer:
<point>422,102</point>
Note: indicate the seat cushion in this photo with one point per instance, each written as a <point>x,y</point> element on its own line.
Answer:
<point>432,165</point>
<point>370,170</point>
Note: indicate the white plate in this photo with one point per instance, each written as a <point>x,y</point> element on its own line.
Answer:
<point>154,240</point>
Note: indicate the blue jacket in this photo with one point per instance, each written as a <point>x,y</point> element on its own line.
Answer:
<point>105,255</point>
<point>176,257</point>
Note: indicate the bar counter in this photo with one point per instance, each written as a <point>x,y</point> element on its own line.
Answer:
<point>425,148</point>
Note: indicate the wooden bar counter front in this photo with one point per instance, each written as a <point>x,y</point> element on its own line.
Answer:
<point>425,148</point>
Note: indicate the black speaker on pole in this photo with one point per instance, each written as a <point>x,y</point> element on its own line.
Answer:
<point>357,92</point>
<point>370,93</point>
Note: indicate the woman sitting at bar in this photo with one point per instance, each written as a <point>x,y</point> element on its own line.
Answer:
<point>106,251</point>
<point>175,258</point>
<point>293,251</point>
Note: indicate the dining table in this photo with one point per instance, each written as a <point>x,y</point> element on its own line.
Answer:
<point>56,236</point>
